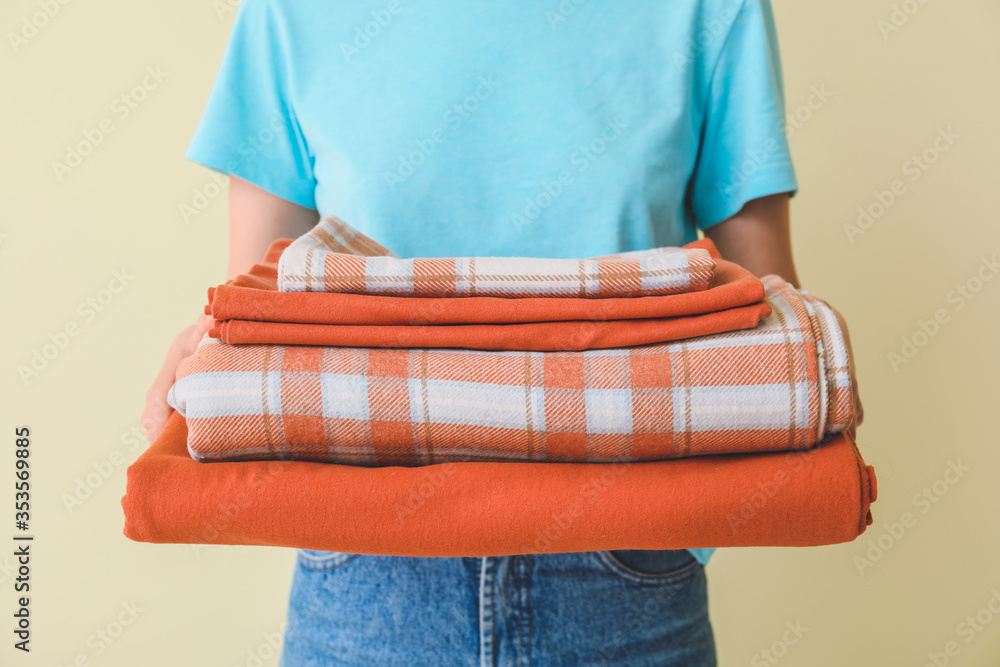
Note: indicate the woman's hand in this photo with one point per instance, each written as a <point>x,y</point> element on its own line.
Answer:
<point>256,218</point>
<point>157,410</point>
<point>758,238</point>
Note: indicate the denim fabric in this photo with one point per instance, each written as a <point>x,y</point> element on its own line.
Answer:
<point>635,608</point>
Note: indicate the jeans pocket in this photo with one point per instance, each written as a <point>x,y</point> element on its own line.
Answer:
<point>650,566</point>
<point>321,561</point>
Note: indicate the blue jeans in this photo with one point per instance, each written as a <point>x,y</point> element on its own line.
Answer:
<point>636,608</point>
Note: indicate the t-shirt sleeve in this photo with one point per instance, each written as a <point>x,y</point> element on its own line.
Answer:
<point>249,128</point>
<point>743,151</point>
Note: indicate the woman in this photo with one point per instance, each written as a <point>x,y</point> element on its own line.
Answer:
<point>555,129</point>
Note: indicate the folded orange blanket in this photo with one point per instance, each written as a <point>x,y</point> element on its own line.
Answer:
<point>785,384</point>
<point>820,496</point>
<point>249,310</point>
<point>535,336</point>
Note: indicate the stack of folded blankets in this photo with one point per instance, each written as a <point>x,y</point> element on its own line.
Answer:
<point>350,400</point>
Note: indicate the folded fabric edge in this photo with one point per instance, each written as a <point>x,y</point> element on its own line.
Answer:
<point>869,481</point>
<point>151,514</point>
<point>239,332</point>
<point>278,246</point>
<point>841,399</point>
<point>666,270</point>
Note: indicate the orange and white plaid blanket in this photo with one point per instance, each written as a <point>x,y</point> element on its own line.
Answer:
<point>334,257</point>
<point>784,384</point>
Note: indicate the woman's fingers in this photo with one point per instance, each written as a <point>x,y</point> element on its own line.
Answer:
<point>204,323</point>
<point>157,410</point>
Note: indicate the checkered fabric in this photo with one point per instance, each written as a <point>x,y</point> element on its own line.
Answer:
<point>784,384</point>
<point>333,235</point>
<point>333,257</point>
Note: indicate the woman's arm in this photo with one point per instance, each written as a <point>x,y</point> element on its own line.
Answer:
<point>256,218</point>
<point>759,239</point>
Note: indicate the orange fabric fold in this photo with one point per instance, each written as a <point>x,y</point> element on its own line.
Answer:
<point>816,497</point>
<point>250,310</point>
<point>535,336</point>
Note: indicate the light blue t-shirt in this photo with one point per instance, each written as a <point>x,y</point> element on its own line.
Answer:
<point>569,128</point>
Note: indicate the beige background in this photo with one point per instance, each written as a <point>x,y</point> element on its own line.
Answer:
<point>62,240</point>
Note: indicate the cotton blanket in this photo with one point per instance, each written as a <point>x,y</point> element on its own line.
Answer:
<point>814,497</point>
<point>334,257</point>
<point>249,310</point>
<point>785,384</point>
